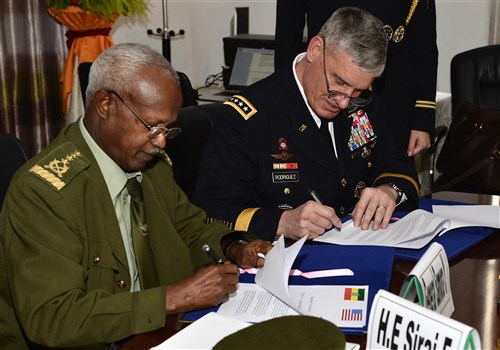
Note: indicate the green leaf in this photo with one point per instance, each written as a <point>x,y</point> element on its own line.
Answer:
<point>105,8</point>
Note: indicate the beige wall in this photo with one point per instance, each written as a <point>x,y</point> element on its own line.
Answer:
<point>461,25</point>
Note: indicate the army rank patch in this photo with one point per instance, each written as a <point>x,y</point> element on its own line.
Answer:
<point>60,166</point>
<point>242,106</point>
<point>361,130</point>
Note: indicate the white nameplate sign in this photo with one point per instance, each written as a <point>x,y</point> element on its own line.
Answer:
<point>396,323</point>
<point>428,283</point>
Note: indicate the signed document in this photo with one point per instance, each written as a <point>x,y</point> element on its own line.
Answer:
<point>416,229</point>
<point>271,296</point>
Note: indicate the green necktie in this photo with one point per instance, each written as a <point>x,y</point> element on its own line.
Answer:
<point>140,236</point>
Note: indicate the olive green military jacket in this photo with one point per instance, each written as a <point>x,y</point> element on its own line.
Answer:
<point>64,277</point>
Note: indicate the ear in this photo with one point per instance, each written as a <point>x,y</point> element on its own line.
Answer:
<point>315,48</point>
<point>102,101</point>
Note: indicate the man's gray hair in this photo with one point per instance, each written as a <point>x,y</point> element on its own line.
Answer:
<point>360,34</point>
<point>117,67</point>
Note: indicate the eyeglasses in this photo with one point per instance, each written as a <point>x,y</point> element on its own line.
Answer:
<point>354,101</point>
<point>154,131</point>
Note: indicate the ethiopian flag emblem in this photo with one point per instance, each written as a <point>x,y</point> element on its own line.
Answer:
<point>354,294</point>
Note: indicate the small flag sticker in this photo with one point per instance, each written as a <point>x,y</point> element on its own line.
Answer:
<point>354,294</point>
<point>352,315</point>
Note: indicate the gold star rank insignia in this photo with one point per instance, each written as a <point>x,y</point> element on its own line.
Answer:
<point>242,106</point>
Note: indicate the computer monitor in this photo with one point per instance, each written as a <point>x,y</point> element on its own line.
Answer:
<point>250,65</point>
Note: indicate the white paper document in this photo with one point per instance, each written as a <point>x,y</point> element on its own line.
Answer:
<point>416,229</point>
<point>203,333</point>
<point>345,306</point>
<point>469,215</point>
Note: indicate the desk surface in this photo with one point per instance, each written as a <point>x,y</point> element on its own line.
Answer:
<point>475,286</point>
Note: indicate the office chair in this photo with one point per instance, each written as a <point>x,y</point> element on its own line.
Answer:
<point>475,78</point>
<point>186,149</point>
<point>12,157</point>
<point>189,95</point>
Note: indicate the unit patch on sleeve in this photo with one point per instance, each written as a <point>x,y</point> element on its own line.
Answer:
<point>242,106</point>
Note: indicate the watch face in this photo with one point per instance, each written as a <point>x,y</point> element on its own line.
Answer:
<point>399,192</point>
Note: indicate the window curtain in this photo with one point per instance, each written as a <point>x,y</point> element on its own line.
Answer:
<point>88,36</point>
<point>32,54</point>
<point>495,23</point>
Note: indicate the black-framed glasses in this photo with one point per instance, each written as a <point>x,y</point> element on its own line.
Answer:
<point>354,101</point>
<point>154,131</point>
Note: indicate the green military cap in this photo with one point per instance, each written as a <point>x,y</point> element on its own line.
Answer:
<point>287,332</point>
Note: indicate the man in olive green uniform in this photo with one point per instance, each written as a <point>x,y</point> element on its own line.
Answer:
<point>73,270</point>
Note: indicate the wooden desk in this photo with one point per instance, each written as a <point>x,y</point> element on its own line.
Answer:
<point>475,285</point>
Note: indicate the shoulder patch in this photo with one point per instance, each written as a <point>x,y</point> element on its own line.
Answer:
<point>60,166</point>
<point>242,106</point>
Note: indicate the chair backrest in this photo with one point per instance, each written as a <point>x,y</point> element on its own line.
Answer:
<point>12,157</point>
<point>186,149</point>
<point>475,77</point>
<point>189,95</point>
<point>83,76</point>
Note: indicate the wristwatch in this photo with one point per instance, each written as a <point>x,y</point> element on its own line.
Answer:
<point>232,244</point>
<point>400,194</point>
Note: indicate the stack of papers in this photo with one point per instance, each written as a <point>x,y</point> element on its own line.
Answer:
<point>418,228</point>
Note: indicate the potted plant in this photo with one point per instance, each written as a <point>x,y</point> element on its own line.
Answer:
<point>108,9</point>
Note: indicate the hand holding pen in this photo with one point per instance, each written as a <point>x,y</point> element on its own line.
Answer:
<point>212,254</point>
<point>316,198</point>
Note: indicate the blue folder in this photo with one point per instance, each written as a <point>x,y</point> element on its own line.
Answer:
<point>322,256</point>
<point>454,242</point>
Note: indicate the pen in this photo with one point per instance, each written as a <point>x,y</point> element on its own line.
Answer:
<point>316,198</point>
<point>212,254</point>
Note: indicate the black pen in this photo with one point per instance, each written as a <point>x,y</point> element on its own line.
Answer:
<point>212,254</point>
<point>316,198</point>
